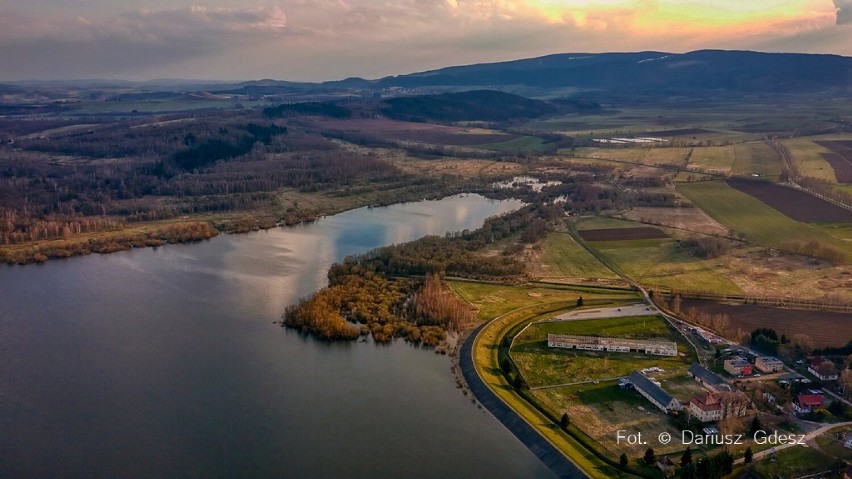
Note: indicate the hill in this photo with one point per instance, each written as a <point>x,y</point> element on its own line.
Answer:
<point>704,72</point>
<point>485,105</point>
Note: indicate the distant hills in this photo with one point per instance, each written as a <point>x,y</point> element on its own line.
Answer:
<point>649,72</point>
<point>486,105</point>
<point>595,76</point>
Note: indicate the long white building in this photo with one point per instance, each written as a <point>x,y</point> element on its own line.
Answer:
<point>620,345</point>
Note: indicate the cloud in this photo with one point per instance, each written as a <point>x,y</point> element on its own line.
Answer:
<point>844,11</point>
<point>132,41</point>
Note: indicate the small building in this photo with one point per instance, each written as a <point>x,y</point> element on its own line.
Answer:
<point>717,406</point>
<point>666,466</point>
<point>654,393</point>
<point>805,403</point>
<point>707,378</point>
<point>768,364</point>
<point>823,369</point>
<point>738,367</point>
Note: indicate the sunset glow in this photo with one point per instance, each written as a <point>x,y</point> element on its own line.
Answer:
<point>328,39</point>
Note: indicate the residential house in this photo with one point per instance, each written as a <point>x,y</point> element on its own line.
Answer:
<point>805,403</point>
<point>738,367</point>
<point>768,364</point>
<point>823,369</point>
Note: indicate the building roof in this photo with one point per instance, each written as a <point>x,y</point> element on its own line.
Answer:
<point>737,363</point>
<point>641,382</point>
<point>705,375</point>
<point>706,402</point>
<point>809,400</point>
<point>769,360</point>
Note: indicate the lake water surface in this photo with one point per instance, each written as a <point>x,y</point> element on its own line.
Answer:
<point>166,363</point>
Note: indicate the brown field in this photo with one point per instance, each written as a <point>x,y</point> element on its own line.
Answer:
<point>825,329</point>
<point>681,132</point>
<point>792,203</point>
<point>419,132</point>
<point>840,158</point>
<point>686,219</point>
<point>617,234</point>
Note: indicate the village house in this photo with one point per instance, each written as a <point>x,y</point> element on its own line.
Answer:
<point>823,369</point>
<point>805,403</point>
<point>654,393</point>
<point>768,364</point>
<point>738,367</point>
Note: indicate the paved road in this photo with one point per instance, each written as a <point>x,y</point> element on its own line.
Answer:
<point>639,309</point>
<point>541,447</point>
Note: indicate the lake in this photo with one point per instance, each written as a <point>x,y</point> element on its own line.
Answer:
<point>166,363</point>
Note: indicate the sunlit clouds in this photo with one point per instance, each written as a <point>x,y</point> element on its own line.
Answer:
<point>331,39</point>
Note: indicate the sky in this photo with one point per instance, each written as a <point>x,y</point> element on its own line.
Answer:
<point>305,40</point>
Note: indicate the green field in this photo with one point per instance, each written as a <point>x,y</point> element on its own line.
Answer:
<point>712,159</point>
<point>756,158</point>
<point>660,262</point>
<point>544,366</point>
<point>492,300</point>
<point>564,257</point>
<point>808,161</point>
<point>530,144</point>
<point>792,462</point>
<point>760,223</point>
<point>604,222</point>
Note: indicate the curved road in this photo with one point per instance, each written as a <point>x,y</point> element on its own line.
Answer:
<point>541,447</point>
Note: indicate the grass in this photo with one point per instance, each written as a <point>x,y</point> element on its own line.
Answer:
<point>660,262</point>
<point>544,366</point>
<point>564,257</point>
<point>807,159</point>
<point>485,358</point>
<point>793,462</point>
<point>760,223</point>
<point>713,159</point>
<point>756,158</point>
<point>603,222</point>
<point>493,300</point>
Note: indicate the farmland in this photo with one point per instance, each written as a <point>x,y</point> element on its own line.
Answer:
<point>756,158</point>
<point>795,204</point>
<point>758,222</point>
<point>562,257</point>
<point>840,158</point>
<point>824,328</point>
<point>619,234</point>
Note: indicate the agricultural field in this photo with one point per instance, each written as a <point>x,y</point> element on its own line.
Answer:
<point>840,158</point>
<point>795,204</point>
<point>603,222</point>
<point>562,258</point>
<point>809,160</point>
<point>824,328</point>
<point>756,158</point>
<point>680,219</point>
<point>623,234</point>
<point>662,263</point>
<point>757,221</point>
<point>712,159</point>
<point>652,156</point>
